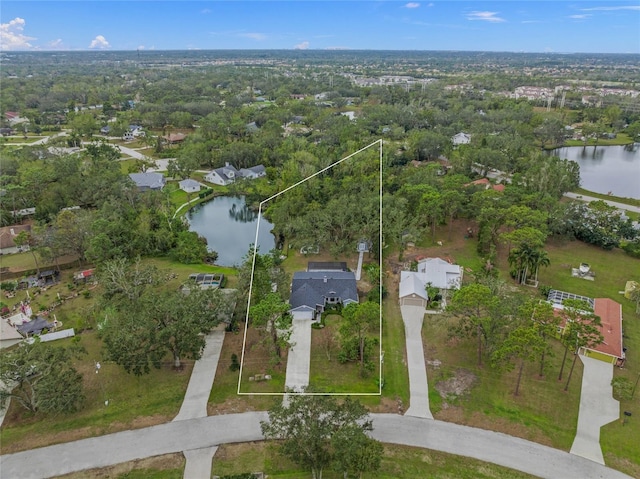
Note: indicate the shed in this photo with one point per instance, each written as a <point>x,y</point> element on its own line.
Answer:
<point>189,186</point>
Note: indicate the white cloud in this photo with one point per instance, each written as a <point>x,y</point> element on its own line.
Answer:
<point>582,16</point>
<point>431,5</point>
<point>205,11</point>
<point>412,5</point>
<point>140,47</point>
<point>56,44</point>
<point>11,36</point>
<point>485,17</point>
<point>99,43</point>
<point>337,48</point>
<point>254,36</point>
<point>301,46</point>
<point>611,9</point>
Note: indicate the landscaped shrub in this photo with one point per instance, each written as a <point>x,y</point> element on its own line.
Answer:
<point>9,285</point>
<point>622,388</point>
<point>235,364</point>
<point>632,248</point>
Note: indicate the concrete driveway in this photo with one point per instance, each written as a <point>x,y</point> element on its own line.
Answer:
<point>597,408</point>
<point>299,357</point>
<point>412,316</point>
<point>195,399</point>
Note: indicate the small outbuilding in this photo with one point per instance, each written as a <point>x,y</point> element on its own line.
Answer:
<point>189,186</point>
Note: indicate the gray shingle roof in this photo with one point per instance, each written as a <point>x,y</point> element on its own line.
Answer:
<point>311,288</point>
<point>148,180</point>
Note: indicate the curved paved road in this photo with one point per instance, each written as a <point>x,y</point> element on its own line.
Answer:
<point>210,431</point>
<point>589,199</point>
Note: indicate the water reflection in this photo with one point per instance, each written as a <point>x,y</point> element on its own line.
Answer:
<point>244,213</point>
<point>607,169</point>
<point>229,225</point>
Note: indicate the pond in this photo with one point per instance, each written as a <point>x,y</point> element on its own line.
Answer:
<point>607,169</point>
<point>229,226</point>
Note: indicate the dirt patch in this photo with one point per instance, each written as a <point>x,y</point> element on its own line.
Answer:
<point>160,463</point>
<point>232,405</point>
<point>456,414</point>
<point>456,386</point>
<point>388,405</point>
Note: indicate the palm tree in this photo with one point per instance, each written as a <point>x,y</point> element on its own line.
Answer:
<point>539,258</point>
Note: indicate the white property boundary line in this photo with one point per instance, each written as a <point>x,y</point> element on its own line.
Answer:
<point>253,265</point>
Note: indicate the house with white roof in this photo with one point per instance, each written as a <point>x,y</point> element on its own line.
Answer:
<point>461,139</point>
<point>434,272</point>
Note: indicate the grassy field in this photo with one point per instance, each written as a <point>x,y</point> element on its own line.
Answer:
<point>168,466</point>
<point>398,462</point>
<point>620,139</point>
<point>134,402</point>
<point>327,374</point>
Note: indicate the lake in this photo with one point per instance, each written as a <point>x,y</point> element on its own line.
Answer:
<point>607,169</point>
<point>229,226</point>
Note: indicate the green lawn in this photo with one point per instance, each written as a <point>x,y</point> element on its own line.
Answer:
<point>398,462</point>
<point>133,402</point>
<point>542,412</point>
<point>620,139</point>
<point>327,374</point>
<point>612,269</point>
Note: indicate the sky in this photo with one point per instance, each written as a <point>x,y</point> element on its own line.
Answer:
<point>566,26</point>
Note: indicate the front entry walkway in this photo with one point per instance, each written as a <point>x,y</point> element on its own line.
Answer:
<point>597,408</point>
<point>412,317</point>
<point>299,357</point>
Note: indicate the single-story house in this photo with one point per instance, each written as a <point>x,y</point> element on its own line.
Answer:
<point>9,335</point>
<point>413,289</point>
<point>440,273</point>
<point>223,176</point>
<point>6,131</point>
<point>189,186</point>
<point>83,276</point>
<point>148,180</point>
<point>253,172</point>
<point>105,130</point>
<point>461,139</point>
<point>312,291</point>
<point>35,326</point>
<point>174,138</point>
<point>486,184</point>
<point>7,235</point>
<point>611,349</point>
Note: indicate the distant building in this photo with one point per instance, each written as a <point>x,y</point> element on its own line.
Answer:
<point>461,139</point>
<point>8,234</point>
